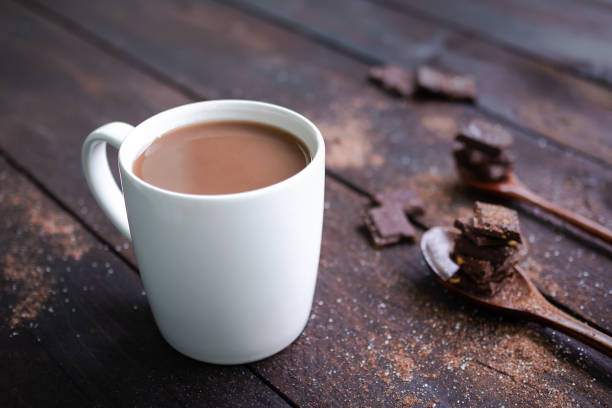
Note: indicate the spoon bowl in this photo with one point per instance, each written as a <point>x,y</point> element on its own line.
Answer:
<point>518,297</point>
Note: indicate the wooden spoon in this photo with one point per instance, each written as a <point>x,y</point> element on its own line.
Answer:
<point>512,187</point>
<point>518,298</point>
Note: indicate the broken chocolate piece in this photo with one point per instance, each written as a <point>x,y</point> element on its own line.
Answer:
<point>464,225</point>
<point>472,157</point>
<point>394,79</point>
<point>488,288</point>
<point>483,240</point>
<point>477,268</point>
<point>487,172</point>
<point>507,266</point>
<point>480,270</point>
<point>388,225</point>
<point>487,248</point>
<point>451,86</point>
<point>493,254</point>
<point>409,200</point>
<point>485,136</point>
<point>496,221</point>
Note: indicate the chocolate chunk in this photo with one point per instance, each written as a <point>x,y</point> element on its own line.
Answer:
<point>507,266</point>
<point>487,172</point>
<point>488,288</point>
<point>451,86</point>
<point>481,270</point>
<point>465,224</point>
<point>494,254</point>
<point>496,221</point>
<point>409,200</point>
<point>388,225</point>
<point>472,157</point>
<point>394,79</point>
<point>478,269</point>
<point>461,224</point>
<point>487,248</point>
<point>488,137</point>
<point>483,240</point>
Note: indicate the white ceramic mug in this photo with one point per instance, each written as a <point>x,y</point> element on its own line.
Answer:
<point>230,278</point>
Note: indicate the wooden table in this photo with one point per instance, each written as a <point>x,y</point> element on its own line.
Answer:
<point>76,329</point>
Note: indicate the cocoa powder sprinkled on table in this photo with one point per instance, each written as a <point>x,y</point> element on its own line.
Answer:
<point>25,265</point>
<point>31,285</point>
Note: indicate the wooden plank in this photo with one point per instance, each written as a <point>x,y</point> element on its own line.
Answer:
<point>383,333</point>
<point>21,356</point>
<point>76,328</point>
<point>570,33</point>
<point>57,90</point>
<point>526,93</point>
<point>372,140</point>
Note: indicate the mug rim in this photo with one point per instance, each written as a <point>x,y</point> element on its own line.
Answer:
<point>126,163</point>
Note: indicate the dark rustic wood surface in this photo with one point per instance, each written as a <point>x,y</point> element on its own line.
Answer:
<point>382,333</point>
<point>527,93</point>
<point>573,34</point>
<point>370,136</point>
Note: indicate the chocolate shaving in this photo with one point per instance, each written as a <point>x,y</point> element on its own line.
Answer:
<point>394,79</point>
<point>450,86</point>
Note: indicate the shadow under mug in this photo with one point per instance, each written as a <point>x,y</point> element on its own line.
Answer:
<point>230,278</point>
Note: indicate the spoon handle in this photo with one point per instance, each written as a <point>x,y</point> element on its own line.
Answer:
<point>557,319</point>
<point>523,193</point>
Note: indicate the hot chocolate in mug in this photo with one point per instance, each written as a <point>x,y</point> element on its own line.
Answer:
<point>230,278</point>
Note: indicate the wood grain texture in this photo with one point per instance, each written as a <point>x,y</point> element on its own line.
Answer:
<point>529,94</point>
<point>21,356</point>
<point>571,33</point>
<point>76,329</point>
<point>57,89</point>
<point>373,140</point>
<point>383,333</point>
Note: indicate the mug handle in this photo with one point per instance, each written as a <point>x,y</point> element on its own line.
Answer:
<point>98,173</point>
